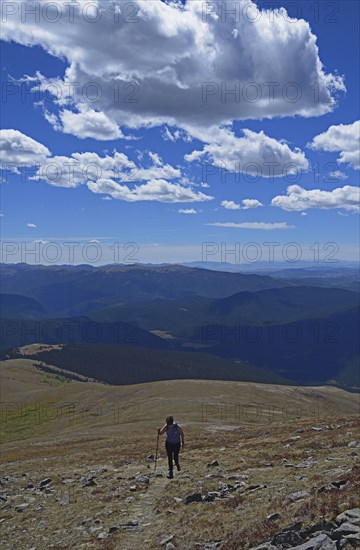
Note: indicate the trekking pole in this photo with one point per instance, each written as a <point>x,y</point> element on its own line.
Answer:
<point>157,447</point>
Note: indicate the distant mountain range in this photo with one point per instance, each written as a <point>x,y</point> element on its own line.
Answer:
<point>308,332</point>
<point>61,288</point>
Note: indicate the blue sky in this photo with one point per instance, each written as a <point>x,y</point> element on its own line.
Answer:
<point>181,134</point>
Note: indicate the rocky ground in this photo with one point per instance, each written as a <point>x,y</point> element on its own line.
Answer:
<point>285,485</point>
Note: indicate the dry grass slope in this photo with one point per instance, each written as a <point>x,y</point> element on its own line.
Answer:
<point>93,440</point>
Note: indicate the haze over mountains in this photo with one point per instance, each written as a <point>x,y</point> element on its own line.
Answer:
<point>297,326</point>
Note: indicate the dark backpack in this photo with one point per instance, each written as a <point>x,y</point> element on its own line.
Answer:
<point>173,434</point>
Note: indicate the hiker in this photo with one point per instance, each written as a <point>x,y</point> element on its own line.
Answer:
<point>173,434</point>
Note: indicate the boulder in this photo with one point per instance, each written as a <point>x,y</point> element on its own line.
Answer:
<point>320,542</point>
<point>287,538</point>
<point>346,528</point>
<point>195,497</point>
<point>352,516</point>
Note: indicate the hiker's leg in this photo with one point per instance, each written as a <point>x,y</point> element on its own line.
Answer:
<point>176,453</point>
<point>169,451</point>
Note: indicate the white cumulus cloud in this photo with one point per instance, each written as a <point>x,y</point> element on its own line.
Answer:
<point>338,175</point>
<point>184,64</point>
<point>298,198</point>
<point>246,204</point>
<point>230,205</point>
<point>89,124</point>
<point>251,203</point>
<point>115,176</point>
<point>17,149</point>
<point>343,138</point>
<point>254,154</point>
<point>153,190</point>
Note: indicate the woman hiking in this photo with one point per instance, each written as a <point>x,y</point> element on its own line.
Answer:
<point>174,433</point>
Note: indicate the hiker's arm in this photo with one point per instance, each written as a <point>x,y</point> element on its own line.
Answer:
<point>162,430</point>
<point>182,437</point>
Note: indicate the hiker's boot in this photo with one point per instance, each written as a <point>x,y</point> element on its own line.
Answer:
<point>178,467</point>
<point>170,474</point>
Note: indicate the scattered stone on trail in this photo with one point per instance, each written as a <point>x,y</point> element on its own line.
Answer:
<point>102,535</point>
<point>297,495</point>
<point>131,525</point>
<point>213,463</point>
<point>354,444</point>
<point>212,545</point>
<point>237,477</point>
<point>273,517</point>
<point>212,495</point>
<point>128,500</point>
<point>132,488</point>
<point>94,528</point>
<point>113,528</point>
<point>21,507</point>
<point>307,463</point>
<point>65,500</point>
<point>195,497</point>
<point>90,483</point>
<point>45,482</point>
<point>255,487</point>
<point>170,546</point>
<point>265,546</point>
<point>42,524</point>
<point>142,479</point>
<point>166,540</point>
<point>340,483</point>
<point>224,491</point>
<point>333,486</point>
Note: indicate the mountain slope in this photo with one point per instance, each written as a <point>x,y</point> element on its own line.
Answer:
<point>118,364</point>
<point>310,350</point>
<point>15,306</point>
<point>261,307</point>
<point>73,330</point>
